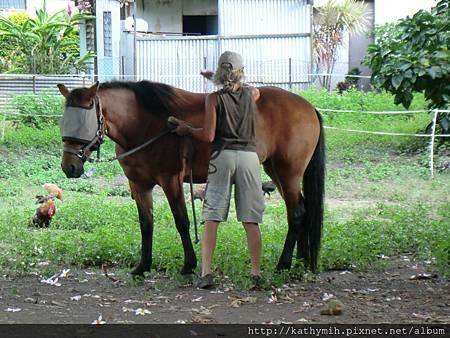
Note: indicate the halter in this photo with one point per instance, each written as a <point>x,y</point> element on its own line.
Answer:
<point>76,126</point>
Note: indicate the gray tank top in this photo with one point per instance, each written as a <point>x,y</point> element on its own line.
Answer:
<point>235,126</point>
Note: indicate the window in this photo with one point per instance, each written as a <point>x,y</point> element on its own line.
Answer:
<point>200,24</point>
<point>13,4</point>
<point>107,34</point>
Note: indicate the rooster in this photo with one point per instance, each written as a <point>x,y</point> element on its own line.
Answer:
<point>47,208</point>
<point>44,213</point>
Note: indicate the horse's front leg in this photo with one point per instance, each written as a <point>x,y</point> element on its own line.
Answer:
<point>173,188</point>
<point>144,202</point>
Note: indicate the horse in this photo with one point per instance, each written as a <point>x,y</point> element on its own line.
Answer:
<point>290,146</point>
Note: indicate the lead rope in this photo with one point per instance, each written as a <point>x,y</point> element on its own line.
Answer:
<point>194,215</point>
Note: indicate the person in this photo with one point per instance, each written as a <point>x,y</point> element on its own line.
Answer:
<point>229,124</point>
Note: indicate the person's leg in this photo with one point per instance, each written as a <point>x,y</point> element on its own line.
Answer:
<point>254,246</point>
<point>208,245</point>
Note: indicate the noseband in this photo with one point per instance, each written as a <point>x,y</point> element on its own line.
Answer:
<point>80,133</point>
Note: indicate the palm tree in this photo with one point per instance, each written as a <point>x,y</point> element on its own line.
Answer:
<point>330,23</point>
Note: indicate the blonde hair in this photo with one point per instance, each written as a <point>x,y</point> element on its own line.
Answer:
<point>227,77</point>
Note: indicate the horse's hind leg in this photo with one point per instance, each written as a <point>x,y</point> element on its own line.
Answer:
<point>173,188</point>
<point>288,183</point>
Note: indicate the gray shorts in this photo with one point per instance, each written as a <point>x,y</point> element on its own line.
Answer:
<point>241,169</point>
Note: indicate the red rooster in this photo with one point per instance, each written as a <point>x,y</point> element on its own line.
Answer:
<point>44,213</point>
<point>47,208</point>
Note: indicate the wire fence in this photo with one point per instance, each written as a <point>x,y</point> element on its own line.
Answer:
<point>49,87</point>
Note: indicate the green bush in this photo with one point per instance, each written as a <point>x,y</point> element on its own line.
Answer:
<point>33,106</point>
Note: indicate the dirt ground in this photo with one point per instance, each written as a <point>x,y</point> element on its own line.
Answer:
<point>403,292</point>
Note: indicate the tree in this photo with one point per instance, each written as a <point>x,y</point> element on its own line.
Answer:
<point>46,44</point>
<point>413,56</point>
<point>330,23</point>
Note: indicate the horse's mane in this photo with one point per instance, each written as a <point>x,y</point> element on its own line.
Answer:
<point>153,97</point>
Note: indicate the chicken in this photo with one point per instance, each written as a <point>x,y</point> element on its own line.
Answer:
<point>53,190</point>
<point>44,213</point>
<point>199,194</point>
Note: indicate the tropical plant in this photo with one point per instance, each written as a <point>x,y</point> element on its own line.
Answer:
<point>45,44</point>
<point>330,23</point>
<point>413,56</point>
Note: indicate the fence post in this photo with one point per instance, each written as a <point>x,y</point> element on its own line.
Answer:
<point>205,81</point>
<point>2,138</point>
<point>433,133</point>
<point>34,84</point>
<point>290,73</point>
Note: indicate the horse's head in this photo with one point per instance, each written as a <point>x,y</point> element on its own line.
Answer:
<point>81,128</point>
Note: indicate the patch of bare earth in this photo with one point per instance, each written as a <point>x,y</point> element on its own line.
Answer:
<point>404,292</point>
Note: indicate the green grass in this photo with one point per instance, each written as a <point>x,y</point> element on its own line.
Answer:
<point>380,201</point>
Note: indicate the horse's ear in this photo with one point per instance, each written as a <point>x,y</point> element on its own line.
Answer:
<point>63,90</point>
<point>93,89</point>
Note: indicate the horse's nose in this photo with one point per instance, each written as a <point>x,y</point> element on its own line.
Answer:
<point>72,170</point>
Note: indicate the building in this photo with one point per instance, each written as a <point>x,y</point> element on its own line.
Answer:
<point>30,6</point>
<point>175,39</point>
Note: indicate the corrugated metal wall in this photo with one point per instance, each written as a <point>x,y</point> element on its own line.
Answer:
<point>244,17</point>
<point>273,36</point>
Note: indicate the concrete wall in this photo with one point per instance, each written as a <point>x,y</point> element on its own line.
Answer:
<point>108,65</point>
<point>167,16</point>
<point>358,47</point>
<point>391,11</point>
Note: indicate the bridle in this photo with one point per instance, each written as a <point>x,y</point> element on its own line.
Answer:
<point>98,138</point>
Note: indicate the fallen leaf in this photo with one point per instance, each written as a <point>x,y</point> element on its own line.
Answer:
<point>423,276</point>
<point>99,320</point>
<point>180,321</point>
<point>51,281</point>
<point>327,296</point>
<point>142,312</point>
<point>76,298</point>
<point>333,308</point>
<point>237,301</point>
<point>201,320</point>
<point>64,273</point>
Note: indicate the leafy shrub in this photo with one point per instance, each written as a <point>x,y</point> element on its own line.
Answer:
<point>33,106</point>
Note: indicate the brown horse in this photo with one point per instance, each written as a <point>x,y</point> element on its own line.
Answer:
<point>290,145</point>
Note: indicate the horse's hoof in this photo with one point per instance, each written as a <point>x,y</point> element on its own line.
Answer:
<point>188,277</point>
<point>283,266</point>
<point>138,272</point>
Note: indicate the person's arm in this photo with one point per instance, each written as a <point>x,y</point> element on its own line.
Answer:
<point>207,132</point>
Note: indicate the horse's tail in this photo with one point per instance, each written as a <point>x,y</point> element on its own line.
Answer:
<point>313,192</point>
